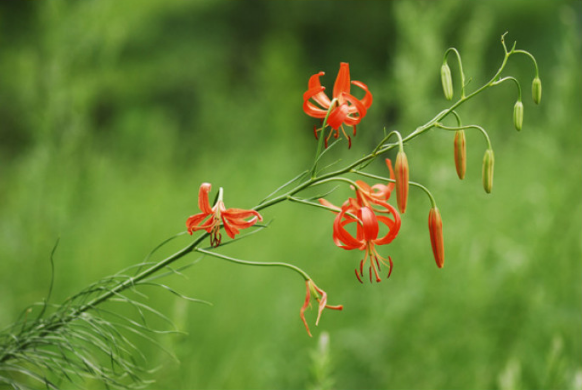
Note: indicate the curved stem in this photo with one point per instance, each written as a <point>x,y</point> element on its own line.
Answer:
<point>254,263</point>
<point>441,126</point>
<point>531,57</point>
<point>516,84</point>
<point>460,68</point>
<point>322,137</point>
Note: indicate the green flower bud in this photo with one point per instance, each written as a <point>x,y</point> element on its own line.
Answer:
<point>488,162</point>
<point>460,154</point>
<point>536,90</point>
<point>447,81</point>
<point>518,115</point>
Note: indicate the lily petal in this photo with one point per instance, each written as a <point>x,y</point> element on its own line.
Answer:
<point>367,99</point>
<point>320,97</point>
<point>369,224</point>
<point>342,82</point>
<point>203,202</point>
<point>338,116</point>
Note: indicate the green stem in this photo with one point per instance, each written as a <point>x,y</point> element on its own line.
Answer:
<point>322,138</point>
<point>255,263</point>
<point>531,57</point>
<point>452,128</point>
<point>460,69</point>
<point>516,84</point>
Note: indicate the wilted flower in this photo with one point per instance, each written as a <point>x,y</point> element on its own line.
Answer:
<point>322,302</point>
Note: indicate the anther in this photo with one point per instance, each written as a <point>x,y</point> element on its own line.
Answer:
<point>391,265</point>
<point>358,276</point>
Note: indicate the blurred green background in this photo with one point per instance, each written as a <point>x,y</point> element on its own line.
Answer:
<point>113,112</point>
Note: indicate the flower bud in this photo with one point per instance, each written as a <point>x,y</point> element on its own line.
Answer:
<point>518,115</point>
<point>447,81</point>
<point>488,162</point>
<point>460,154</point>
<point>401,180</point>
<point>536,90</point>
<point>435,228</point>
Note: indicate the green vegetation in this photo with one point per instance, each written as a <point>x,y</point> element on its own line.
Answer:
<point>113,112</point>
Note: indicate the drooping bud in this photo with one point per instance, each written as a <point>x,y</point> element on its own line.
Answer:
<point>536,90</point>
<point>488,162</point>
<point>460,154</point>
<point>447,81</point>
<point>518,115</point>
<point>435,228</point>
<point>401,180</point>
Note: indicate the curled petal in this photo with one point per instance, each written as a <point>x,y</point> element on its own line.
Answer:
<point>240,213</point>
<point>311,109</point>
<point>356,106</point>
<point>203,203</point>
<point>193,223</point>
<point>326,203</point>
<point>305,306</point>
<point>320,97</point>
<point>389,165</point>
<point>341,236</point>
<point>393,228</point>
<point>367,99</point>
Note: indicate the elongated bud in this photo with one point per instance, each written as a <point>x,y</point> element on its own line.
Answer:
<point>401,180</point>
<point>435,228</point>
<point>518,115</point>
<point>460,154</point>
<point>488,162</point>
<point>447,81</point>
<point>536,90</point>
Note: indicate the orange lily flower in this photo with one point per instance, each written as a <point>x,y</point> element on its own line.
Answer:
<point>344,108</point>
<point>366,238</point>
<point>322,302</point>
<point>233,220</point>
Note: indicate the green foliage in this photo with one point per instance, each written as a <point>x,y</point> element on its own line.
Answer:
<point>112,114</point>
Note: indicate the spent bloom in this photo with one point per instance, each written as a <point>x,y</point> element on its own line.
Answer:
<point>211,217</point>
<point>342,109</point>
<point>312,289</point>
